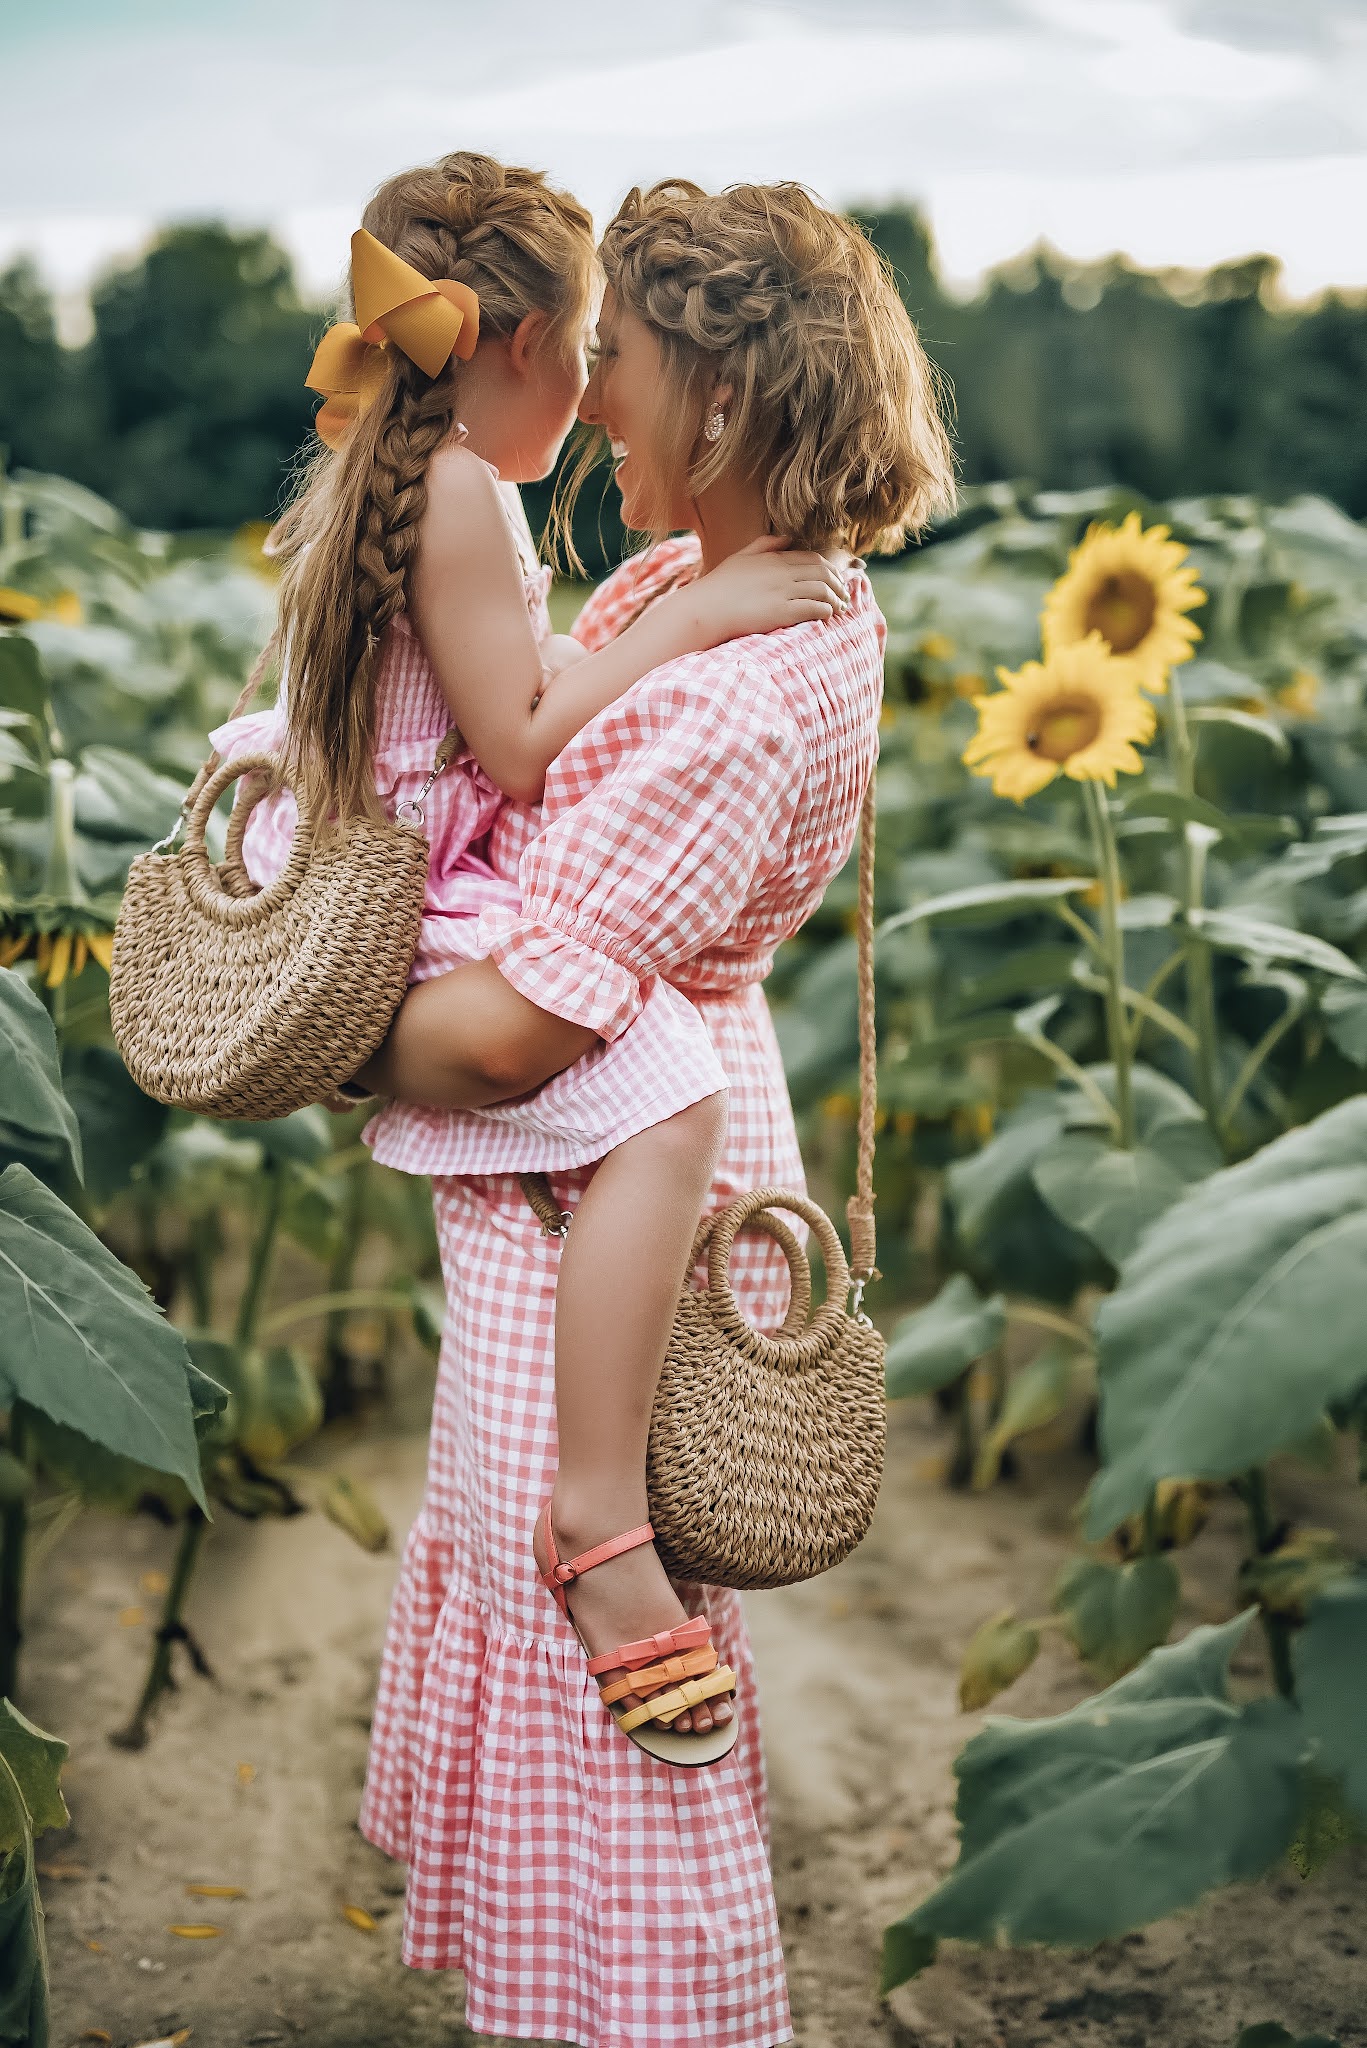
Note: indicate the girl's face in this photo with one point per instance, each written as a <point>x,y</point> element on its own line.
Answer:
<point>546,401</point>
<point>625,397</point>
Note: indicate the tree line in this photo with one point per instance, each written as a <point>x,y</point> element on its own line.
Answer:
<point>186,406</point>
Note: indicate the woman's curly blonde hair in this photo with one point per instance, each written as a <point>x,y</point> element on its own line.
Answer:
<point>835,407</point>
<point>350,535</point>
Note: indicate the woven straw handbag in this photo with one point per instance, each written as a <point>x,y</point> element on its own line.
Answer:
<point>243,1002</point>
<point>766,1451</point>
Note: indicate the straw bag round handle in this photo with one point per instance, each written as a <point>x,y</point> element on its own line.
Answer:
<point>203,882</point>
<point>792,1347</point>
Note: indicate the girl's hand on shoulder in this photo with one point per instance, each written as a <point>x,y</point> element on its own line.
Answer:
<point>764,587</point>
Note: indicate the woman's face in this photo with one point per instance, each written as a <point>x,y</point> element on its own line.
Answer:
<point>625,397</point>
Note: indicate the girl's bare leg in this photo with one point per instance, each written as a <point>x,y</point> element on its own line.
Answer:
<point>624,1261</point>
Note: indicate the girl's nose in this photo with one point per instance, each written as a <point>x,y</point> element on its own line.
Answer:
<point>588,405</point>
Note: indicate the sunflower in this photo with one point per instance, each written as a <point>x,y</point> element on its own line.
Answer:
<point>1078,712</point>
<point>1133,587</point>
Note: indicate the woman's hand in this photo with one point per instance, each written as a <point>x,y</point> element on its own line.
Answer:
<point>763,587</point>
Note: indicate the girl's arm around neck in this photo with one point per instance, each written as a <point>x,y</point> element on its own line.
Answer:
<point>470,611</point>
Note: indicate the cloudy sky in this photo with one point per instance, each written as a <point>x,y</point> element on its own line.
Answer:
<point>1182,131</point>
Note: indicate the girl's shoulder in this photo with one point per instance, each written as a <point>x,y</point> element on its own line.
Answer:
<point>470,508</point>
<point>623,596</point>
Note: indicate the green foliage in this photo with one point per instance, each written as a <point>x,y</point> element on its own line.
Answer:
<point>1114,1614</point>
<point>85,1344</point>
<point>30,1801</point>
<point>1331,1681</point>
<point>998,1652</point>
<point>1110,1194</point>
<point>1237,1321</point>
<point>1176,382</point>
<point>1201,1792</point>
<point>937,1343</point>
<point>36,1120</point>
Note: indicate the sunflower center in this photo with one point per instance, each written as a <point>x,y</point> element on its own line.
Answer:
<point>1121,609</point>
<point>1064,728</point>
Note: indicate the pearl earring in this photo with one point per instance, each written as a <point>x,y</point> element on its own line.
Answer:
<point>716,424</point>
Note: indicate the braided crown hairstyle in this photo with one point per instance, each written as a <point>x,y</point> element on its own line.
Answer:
<point>836,408</point>
<point>350,535</point>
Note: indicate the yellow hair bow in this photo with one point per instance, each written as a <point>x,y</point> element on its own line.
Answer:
<point>429,320</point>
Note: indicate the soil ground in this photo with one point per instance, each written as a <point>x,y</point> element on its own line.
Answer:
<point>252,1779</point>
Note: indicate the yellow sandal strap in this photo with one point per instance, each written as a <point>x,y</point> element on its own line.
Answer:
<point>667,1706</point>
<point>693,1664</point>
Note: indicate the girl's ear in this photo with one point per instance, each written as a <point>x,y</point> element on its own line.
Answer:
<point>526,339</point>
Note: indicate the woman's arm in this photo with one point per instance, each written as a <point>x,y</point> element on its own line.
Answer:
<point>468,606</point>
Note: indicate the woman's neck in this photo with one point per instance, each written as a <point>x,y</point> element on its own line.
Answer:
<point>726,518</point>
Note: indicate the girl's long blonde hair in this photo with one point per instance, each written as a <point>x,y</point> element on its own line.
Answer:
<point>835,407</point>
<point>349,536</point>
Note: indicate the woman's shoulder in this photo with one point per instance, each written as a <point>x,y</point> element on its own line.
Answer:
<point>624,594</point>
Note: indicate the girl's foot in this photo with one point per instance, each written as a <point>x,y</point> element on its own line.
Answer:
<point>622,1601</point>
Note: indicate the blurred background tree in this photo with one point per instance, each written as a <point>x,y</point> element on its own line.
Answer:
<point>187,405</point>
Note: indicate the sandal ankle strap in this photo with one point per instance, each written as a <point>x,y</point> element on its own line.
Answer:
<point>560,1574</point>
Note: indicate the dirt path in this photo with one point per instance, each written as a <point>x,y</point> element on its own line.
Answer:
<point>254,1781</point>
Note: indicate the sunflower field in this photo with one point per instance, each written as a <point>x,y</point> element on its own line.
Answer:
<point>1123,879</point>
<point>1122,1167</point>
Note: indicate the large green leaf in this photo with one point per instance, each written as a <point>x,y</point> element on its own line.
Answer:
<point>23,1951</point>
<point>30,1800</point>
<point>36,1760</point>
<point>1238,1319</point>
<point>935,1344</point>
<point>119,1125</point>
<point>300,1139</point>
<point>1110,1194</point>
<point>1129,1807</point>
<point>35,1118</point>
<point>1035,1395</point>
<point>84,1342</point>
<point>991,902</point>
<point>21,678</point>
<point>119,797</point>
<point>1330,1655</point>
<point>1114,1614</point>
<point>1344,1010</point>
<point>1256,939</point>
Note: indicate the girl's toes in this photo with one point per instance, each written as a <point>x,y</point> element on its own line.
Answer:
<point>721,1713</point>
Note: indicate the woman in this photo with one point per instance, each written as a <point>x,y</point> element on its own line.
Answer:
<point>757,375</point>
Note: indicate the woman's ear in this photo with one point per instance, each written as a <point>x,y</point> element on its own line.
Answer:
<point>526,339</point>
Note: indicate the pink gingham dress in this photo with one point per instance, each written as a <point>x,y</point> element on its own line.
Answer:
<point>589,1893</point>
<point>583,1113</point>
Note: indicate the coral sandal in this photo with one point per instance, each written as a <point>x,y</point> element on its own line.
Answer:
<point>670,1672</point>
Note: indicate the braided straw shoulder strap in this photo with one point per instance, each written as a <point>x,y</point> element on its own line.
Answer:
<point>766,1447</point>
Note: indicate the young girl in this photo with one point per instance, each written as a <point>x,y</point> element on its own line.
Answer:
<point>420,669</point>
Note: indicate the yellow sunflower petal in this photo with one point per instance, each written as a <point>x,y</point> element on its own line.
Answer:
<point>101,946</point>
<point>1134,587</point>
<point>14,948</point>
<point>1080,713</point>
<point>17,607</point>
<point>59,960</point>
